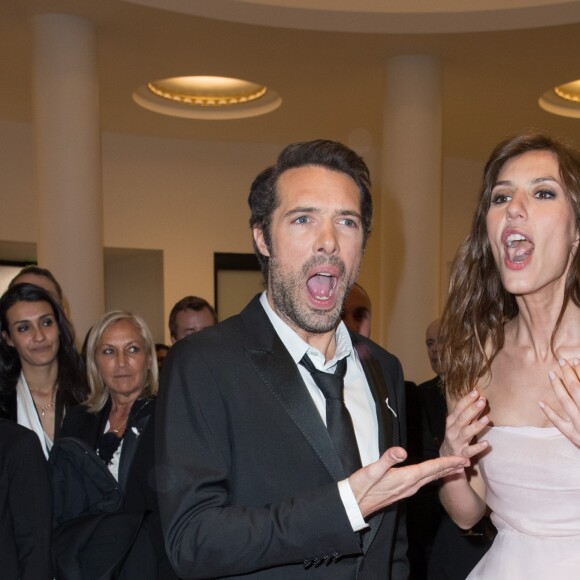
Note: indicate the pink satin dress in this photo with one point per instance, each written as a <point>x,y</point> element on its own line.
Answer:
<point>532,476</point>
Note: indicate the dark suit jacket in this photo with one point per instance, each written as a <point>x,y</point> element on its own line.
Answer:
<point>25,506</point>
<point>247,471</point>
<point>147,558</point>
<point>434,413</point>
<point>89,427</point>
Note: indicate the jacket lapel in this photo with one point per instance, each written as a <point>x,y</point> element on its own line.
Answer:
<point>275,366</point>
<point>267,354</point>
<point>381,394</point>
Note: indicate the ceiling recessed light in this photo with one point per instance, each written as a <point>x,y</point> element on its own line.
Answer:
<point>207,97</point>
<point>563,100</point>
<point>569,91</point>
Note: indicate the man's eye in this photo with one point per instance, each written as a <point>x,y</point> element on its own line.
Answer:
<point>349,222</point>
<point>360,314</point>
<point>301,220</point>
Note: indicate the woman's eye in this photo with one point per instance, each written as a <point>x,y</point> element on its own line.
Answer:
<point>47,322</point>
<point>22,328</point>
<point>499,198</point>
<point>545,194</point>
<point>133,349</point>
<point>107,351</point>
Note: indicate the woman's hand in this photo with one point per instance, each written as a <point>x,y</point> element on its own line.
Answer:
<point>567,389</point>
<point>463,423</point>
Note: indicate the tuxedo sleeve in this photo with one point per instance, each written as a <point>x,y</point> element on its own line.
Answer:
<point>207,532</point>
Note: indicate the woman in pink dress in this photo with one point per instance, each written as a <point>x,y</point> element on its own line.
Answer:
<point>511,363</point>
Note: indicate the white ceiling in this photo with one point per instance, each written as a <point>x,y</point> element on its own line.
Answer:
<point>381,16</point>
<point>331,82</point>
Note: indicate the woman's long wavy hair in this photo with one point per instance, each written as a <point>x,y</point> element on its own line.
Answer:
<point>98,392</point>
<point>478,306</point>
<point>71,385</point>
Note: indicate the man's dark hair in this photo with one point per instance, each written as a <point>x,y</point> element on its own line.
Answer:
<point>263,199</point>
<point>189,303</point>
<point>38,271</point>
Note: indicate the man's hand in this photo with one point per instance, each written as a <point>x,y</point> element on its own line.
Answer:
<point>380,484</point>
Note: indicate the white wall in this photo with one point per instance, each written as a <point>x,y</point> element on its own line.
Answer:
<point>188,199</point>
<point>461,182</point>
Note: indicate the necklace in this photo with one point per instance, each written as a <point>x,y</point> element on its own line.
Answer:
<point>119,426</point>
<point>43,410</point>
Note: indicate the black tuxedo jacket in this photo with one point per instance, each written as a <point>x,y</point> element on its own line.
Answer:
<point>247,473</point>
<point>25,506</point>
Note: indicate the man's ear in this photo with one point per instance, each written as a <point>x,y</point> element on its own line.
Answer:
<point>260,241</point>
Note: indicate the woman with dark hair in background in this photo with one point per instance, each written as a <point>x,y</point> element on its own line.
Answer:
<point>40,370</point>
<point>511,332</point>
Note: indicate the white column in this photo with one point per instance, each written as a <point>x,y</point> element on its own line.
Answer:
<point>410,216</point>
<point>68,161</point>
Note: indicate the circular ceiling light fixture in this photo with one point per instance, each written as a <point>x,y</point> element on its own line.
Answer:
<point>563,100</point>
<point>207,97</point>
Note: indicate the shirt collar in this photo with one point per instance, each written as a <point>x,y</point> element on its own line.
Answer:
<point>297,347</point>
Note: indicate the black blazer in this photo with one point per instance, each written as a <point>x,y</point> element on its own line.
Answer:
<point>25,506</point>
<point>136,480</point>
<point>247,471</point>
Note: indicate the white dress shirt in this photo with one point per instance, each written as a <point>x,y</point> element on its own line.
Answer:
<point>27,414</point>
<point>357,396</point>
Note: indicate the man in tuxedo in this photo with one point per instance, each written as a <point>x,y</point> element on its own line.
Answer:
<point>253,479</point>
<point>431,395</point>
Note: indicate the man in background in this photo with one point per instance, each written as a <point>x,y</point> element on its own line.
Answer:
<point>191,314</point>
<point>356,313</point>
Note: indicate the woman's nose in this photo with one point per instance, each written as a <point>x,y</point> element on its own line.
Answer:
<point>39,335</point>
<point>517,207</point>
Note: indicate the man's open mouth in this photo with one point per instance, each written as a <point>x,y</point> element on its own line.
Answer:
<point>321,286</point>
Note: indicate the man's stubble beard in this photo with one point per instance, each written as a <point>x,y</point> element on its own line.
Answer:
<point>289,302</point>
